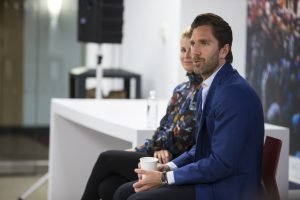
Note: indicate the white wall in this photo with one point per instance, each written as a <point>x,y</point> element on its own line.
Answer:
<point>232,11</point>
<point>152,30</point>
<point>151,43</point>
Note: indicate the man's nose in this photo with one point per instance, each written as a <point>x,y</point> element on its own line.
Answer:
<point>195,50</point>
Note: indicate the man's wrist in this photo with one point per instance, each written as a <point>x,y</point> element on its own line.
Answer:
<point>164,179</point>
<point>172,166</point>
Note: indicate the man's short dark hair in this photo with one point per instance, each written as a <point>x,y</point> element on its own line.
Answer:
<point>220,28</point>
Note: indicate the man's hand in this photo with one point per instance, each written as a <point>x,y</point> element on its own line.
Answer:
<point>151,179</point>
<point>163,156</point>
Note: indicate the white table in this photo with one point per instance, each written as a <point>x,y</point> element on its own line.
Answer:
<point>81,129</point>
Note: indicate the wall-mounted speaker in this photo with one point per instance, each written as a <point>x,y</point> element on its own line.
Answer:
<point>100,21</point>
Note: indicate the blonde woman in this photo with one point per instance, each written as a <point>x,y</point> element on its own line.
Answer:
<point>174,136</point>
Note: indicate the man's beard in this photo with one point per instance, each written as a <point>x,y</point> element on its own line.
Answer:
<point>206,67</point>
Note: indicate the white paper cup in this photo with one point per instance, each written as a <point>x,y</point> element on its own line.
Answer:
<point>148,163</point>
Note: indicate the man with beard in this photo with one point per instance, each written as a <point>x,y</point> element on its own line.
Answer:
<point>225,162</point>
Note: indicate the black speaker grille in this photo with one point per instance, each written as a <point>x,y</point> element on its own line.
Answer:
<point>100,21</point>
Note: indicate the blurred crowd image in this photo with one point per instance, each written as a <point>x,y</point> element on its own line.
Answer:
<point>273,61</point>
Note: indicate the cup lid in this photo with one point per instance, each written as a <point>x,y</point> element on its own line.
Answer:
<point>148,159</point>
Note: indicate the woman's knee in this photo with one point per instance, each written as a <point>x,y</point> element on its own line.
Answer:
<point>106,156</point>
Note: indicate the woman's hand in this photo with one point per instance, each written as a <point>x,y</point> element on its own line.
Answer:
<point>163,156</point>
<point>132,150</point>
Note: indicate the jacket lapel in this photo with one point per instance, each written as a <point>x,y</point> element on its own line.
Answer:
<point>210,95</point>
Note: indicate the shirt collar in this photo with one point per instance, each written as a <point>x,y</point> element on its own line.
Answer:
<point>207,83</point>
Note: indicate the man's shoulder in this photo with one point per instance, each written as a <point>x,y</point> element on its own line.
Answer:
<point>233,81</point>
<point>236,87</point>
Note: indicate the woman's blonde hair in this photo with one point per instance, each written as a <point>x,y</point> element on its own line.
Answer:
<point>187,33</point>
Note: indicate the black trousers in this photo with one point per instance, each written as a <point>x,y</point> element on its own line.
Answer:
<point>126,192</point>
<point>112,169</point>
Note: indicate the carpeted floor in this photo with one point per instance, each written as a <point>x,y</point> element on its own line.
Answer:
<point>12,187</point>
<point>23,160</point>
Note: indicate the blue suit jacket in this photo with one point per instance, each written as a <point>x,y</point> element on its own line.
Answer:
<point>225,163</point>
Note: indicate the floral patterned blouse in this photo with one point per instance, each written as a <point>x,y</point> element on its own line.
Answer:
<point>177,127</point>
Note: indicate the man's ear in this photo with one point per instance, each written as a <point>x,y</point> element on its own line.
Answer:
<point>224,51</point>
